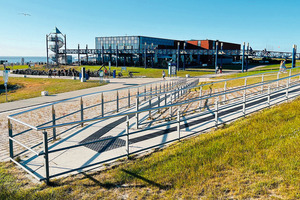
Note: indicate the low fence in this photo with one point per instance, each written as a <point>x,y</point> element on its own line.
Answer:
<point>270,92</point>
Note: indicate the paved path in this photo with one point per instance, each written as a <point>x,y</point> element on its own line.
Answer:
<point>113,85</point>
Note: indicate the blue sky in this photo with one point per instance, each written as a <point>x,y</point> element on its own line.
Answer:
<point>271,24</point>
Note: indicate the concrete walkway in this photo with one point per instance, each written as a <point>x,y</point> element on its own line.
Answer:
<point>113,85</point>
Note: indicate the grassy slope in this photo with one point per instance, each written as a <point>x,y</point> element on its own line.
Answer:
<point>32,87</point>
<point>256,157</point>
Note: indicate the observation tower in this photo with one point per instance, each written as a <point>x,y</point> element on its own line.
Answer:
<point>55,41</point>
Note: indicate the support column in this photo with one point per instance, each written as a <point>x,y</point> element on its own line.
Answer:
<point>247,57</point>
<point>145,53</point>
<point>79,62</point>
<point>103,55</point>
<point>294,56</point>
<point>243,57</point>
<point>178,55</point>
<point>87,55</point>
<point>183,65</point>
<point>47,50</point>
<point>117,54</point>
<point>221,57</point>
<point>216,57</point>
<point>66,59</point>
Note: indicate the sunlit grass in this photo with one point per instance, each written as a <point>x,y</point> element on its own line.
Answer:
<point>32,87</point>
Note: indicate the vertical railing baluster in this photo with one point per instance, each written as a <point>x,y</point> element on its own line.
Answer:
<point>178,122</point>
<point>117,100</point>
<point>127,135</point>
<point>216,112</point>
<point>53,123</point>
<point>81,110</point>
<point>46,156</point>
<point>269,96</point>
<point>10,134</point>
<point>128,98</point>
<point>137,114</point>
<point>102,104</point>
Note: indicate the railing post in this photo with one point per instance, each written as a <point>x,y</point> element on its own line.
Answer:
<point>158,99</point>
<point>262,83</point>
<point>10,134</point>
<point>290,74</point>
<point>81,110</point>
<point>178,122</point>
<point>165,86</point>
<point>150,106</point>
<point>278,80</point>
<point>102,104</point>
<point>216,112</point>
<point>117,100</point>
<point>170,109</point>
<point>159,87</point>
<point>287,91</point>
<point>145,93</point>
<point>137,114</point>
<point>155,89</point>
<point>244,103</point>
<point>151,91</point>
<point>200,96</point>
<point>166,96</point>
<point>225,88</point>
<point>245,85</point>
<point>53,123</point>
<point>46,156</point>
<point>128,98</point>
<point>269,96</point>
<point>127,136</point>
<point>181,88</point>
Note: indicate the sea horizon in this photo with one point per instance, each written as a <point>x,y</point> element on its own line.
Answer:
<point>18,59</point>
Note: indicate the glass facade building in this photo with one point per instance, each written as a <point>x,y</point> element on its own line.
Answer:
<point>132,42</point>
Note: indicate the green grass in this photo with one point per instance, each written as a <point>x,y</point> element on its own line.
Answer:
<point>253,158</point>
<point>15,67</point>
<point>32,87</point>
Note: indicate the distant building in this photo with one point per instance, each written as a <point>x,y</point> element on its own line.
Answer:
<point>139,43</point>
<point>211,44</point>
<point>142,42</point>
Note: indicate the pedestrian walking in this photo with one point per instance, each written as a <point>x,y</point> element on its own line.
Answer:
<point>163,74</point>
<point>49,73</point>
<point>282,67</point>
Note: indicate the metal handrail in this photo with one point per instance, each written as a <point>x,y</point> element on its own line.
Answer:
<point>84,95</point>
<point>148,109</point>
<point>214,112</point>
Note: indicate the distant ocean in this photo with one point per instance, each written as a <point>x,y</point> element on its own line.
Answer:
<point>17,59</point>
